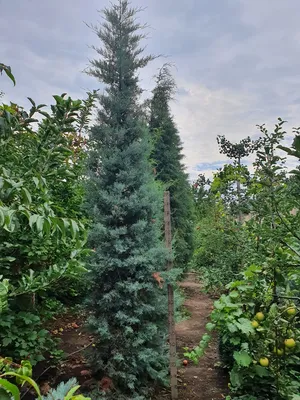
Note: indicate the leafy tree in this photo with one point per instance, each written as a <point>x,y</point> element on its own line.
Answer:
<point>203,197</point>
<point>258,318</point>
<point>225,183</point>
<point>42,233</point>
<point>167,156</point>
<point>129,308</point>
<point>220,244</point>
<point>294,151</point>
<point>237,151</point>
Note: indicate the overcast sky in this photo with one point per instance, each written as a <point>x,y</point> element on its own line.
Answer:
<point>237,61</point>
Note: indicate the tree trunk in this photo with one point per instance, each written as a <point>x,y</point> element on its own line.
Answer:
<point>238,186</point>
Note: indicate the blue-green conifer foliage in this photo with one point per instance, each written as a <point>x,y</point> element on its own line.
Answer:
<point>129,309</point>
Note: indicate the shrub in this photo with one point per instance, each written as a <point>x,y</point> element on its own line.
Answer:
<point>42,233</point>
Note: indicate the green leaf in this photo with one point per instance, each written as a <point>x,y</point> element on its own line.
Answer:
<point>58,99</point>
<point>74,228</point>
<point>31,101</point>
<point>6,341</point>
<point>8,72</point>
<point>44,113</point>
<point>235,340</point>
<point>242,358</point>
<point>27,379</point>
<point>2,218</point>
<point>238,312</point>
<point>8,219</point>
<point>245,326</point>
<point>218,305</point>
<point>47,226</point>
<point>261,371</point>
<point>13,389</point>
<point>30,120</point>
<point>10,259</point>
<point>206,337</point>
<point>26,196</point>
<point>32,220</point>
<point>210,326</point>
<point>36,181</point>
<point>71,392</point>
<point>232,327</point>
<point>40,223</point>
<point>4,395</point>
<point>236,378</point>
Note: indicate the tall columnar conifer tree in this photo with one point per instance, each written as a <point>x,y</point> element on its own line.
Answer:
<point>167,155</point>
<point>129,318</point>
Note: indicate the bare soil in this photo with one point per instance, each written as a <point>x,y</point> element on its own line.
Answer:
<point>204,381</point>
<point>74,340</point>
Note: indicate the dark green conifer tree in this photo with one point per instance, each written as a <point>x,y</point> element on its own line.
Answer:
<point>167,155</point>
<point>129,319</point>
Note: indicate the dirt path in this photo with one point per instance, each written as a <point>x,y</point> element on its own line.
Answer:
<point>203,381</point>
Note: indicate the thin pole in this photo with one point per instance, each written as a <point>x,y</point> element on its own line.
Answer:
<point>171,316</point>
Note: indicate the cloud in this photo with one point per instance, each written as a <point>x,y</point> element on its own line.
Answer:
<point>211,166</point>
<point>201,114</point>
<point>216,165</point>
<point>237,62</point>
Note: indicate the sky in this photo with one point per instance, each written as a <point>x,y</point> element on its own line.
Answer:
<point>236,62</point>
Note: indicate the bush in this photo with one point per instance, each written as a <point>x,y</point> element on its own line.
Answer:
<point>253,327</point>
<point>42,233</point>
<point>22,336</point>
<point>220,250</point>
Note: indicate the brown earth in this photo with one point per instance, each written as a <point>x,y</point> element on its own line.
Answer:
<point>204,381</point>
<point>74,340</point>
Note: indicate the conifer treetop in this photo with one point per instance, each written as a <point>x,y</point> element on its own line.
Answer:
<point>121,53</point>
<point>120,59</point>
<point>165,84</point>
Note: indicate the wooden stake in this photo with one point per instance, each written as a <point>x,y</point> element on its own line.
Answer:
<point>171,316</point>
